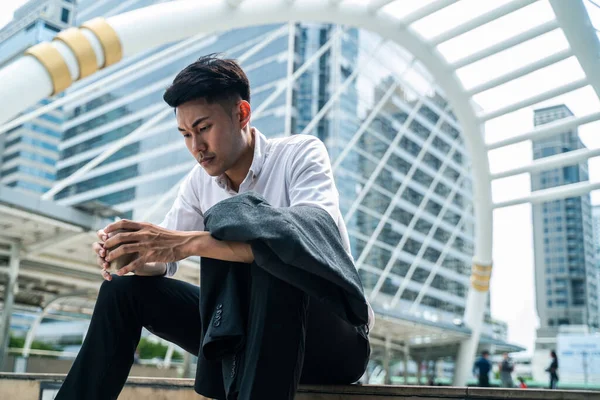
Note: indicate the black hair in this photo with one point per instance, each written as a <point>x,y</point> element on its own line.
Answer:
<point>210,77</point>
<point>553,354</point>
<point>485,353</point>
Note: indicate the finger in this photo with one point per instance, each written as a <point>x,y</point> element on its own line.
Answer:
<point>123,224</point>
<point>101,234</point>
<point>132,266</point>
<point>102,263</point>
<point>98,248</point>
<point>106,275</point>
<point>122,250</point>
<point>121,237</point>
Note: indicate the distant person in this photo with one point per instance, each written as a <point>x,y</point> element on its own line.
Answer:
<point>522,383</point>
<point>482,369</point>
<point>553,370</point>
<point>506,368</point>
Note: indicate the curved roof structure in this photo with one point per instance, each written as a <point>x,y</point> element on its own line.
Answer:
<point>491,59</point>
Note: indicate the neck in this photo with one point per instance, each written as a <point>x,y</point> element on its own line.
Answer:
<point>239,171</point>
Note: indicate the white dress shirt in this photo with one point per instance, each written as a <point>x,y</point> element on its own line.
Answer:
<point>287,172</point>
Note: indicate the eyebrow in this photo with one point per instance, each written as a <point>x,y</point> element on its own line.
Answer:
<point>195,124</point>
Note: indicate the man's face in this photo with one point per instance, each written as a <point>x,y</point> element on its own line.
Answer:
<point>212,134</point>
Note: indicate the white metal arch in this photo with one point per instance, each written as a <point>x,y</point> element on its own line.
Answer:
<point>38,320</point>
<point>149,27</point>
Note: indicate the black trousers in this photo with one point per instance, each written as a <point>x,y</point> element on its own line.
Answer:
<point>553,381</point>
<point>289,338</point>
<point>484,380</point>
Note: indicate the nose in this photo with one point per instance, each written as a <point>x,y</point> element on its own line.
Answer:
<point>198,144</point>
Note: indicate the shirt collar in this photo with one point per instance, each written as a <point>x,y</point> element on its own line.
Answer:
<point>258,159</point>
<point>260,148</point>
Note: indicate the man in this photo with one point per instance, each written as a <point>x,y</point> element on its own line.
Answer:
<point>506,369</point>
<point>287,339</point>
<point>482,369</point>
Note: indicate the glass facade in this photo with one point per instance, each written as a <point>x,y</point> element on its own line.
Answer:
<point>596,226</point>
<point>566,274</point>
<point>28,153</point>
<point>400,163</point>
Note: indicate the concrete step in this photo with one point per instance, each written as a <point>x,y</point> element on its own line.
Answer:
<point>41,386</point>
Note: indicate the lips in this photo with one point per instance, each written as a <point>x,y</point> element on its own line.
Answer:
<point>206,160</point>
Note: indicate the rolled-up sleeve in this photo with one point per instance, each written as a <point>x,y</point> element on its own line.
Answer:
<point>185,214</point>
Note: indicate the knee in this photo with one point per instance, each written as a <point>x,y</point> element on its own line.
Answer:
<point>116,288</point>
<point>127,287</point>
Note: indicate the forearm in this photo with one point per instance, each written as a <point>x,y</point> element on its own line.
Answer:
<point>204,245</point>
<point>152,269</point>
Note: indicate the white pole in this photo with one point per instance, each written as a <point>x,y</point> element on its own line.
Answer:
<point>555,193</point>
<point>546,130</point>
<point>9,299</point>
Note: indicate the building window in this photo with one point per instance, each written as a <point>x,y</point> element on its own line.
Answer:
<point>51,27</point>
<point>65,16</point>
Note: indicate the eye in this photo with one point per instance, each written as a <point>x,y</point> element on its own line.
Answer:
<point>204,128</point>
<point>187,135</point>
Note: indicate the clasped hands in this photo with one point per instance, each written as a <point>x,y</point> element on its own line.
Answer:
<point>155,246</point>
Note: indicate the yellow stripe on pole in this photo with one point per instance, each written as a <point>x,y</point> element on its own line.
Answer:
<point>111,44</point>
<point>82,48</point>
<point>54,64</point>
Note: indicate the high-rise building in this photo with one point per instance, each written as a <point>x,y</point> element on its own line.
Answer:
<point>596,226</point>
<point>399,160</point>
<point>28,153</point>
<point>565,271</point>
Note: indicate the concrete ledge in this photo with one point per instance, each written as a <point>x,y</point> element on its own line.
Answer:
<point>27,386</point>
<point>369,392</point>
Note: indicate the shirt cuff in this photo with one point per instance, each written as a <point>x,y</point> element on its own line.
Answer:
<point>171,269</point>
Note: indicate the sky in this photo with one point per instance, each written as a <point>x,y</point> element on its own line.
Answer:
<point>7,8</point>
<point>512,285</point>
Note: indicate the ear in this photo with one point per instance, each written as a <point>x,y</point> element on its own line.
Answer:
<point>245,112</point>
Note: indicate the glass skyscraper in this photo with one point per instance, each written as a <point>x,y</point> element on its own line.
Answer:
<point>565,271</point>
<point>596,226</point>
<point>28,153</point>
<point>399,160</point>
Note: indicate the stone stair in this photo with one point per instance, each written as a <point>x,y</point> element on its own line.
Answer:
<point>41,386</point>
